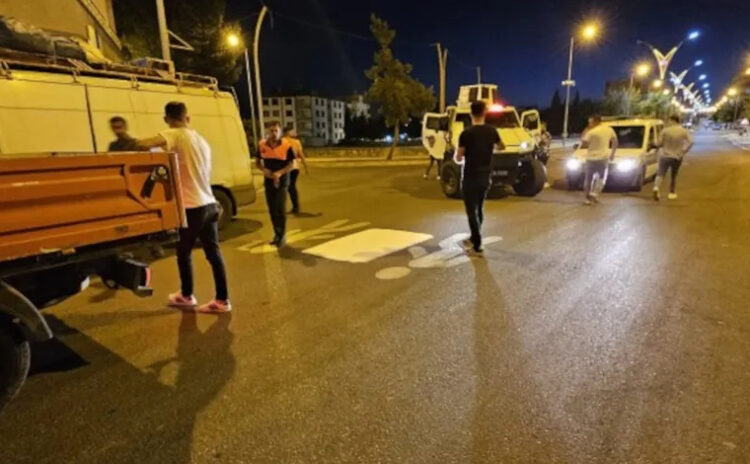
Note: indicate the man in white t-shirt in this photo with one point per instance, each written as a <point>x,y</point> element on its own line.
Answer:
<point>201,209</point>
<point>601,144</point>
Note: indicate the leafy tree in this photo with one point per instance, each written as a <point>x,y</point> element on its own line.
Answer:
<point>553,115</point>
<point>400,96</point>
<point>620,101</point>
<point>201,25</point>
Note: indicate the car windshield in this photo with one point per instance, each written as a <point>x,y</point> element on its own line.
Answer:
<point>629,136</point>
<point>503,120</point>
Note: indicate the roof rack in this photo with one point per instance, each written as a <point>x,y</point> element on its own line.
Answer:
<point>147,69</point>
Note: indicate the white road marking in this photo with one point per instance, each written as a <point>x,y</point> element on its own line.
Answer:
<point>368,245</point>
<point>391,273</point>
<point>325,232</point>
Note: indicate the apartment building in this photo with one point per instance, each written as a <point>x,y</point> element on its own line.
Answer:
<point>318,120</point>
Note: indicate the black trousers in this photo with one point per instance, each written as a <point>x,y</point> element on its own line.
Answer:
<point>293,194</point>
<point>276,200</point>
<point>202,224</point>
<point>669,164</point>
<point>474,196</point>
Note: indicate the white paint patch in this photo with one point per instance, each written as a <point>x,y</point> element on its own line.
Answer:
<point>391,273</point>
<point>325,232</point>
<point>368,245</point>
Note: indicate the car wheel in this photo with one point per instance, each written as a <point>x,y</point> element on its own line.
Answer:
<point>638,184</point>
<point>450,181</point>
<point>531,178</point>
<point>15,358</point>
<point>226,206</point>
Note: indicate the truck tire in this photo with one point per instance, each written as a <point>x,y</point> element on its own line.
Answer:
<point>15,358</point>
<point>450,180</point>
<point>531,178</point>
<point>227,208</point>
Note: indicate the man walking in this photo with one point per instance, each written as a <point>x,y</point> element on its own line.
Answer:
<point>675,142</point>
<point>475,148</point>
<point>601,144</point>
<point>124,142</point>
<point>201,209</point>
<point>276,161</point>
<point>290,135</point>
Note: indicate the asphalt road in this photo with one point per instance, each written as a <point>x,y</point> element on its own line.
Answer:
<point>618,333</point>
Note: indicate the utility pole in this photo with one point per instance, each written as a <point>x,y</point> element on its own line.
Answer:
<point>479,75</point>
<point>568,84</point>
<point>163,30</point>
<point>261,122</point>
<point>442,62</point>
<point>250,93</point>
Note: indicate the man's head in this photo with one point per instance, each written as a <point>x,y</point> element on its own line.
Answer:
<point>274,131</point>
<point>674,119</point>
<point>478,110</point>
<point>595,120</point>
<point>290,132</point>
<point>119,126</point>
<point>175,114</point>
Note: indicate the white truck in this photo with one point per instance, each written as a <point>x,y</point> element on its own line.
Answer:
<point>516,166</point>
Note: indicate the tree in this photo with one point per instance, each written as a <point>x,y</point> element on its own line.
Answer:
<point>400,96</point>
<point>554,114</point>
<point>201,25</point>
<point>620,101</point>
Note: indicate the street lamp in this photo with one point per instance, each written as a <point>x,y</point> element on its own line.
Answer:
<point>663,59</point>
<point>234,41</point>
<point>702,77</point>
<point>698,63</point>
<point>640,70</point>
<point>657,84</point>
<point>732,92</point>
<point>747,72</point>
<point>706,85</point>
<point>588,32</point>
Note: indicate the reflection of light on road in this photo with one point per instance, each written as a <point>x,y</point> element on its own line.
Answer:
<point>368,245</point>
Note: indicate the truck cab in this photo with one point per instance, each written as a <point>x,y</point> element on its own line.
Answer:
<point>514,166</point>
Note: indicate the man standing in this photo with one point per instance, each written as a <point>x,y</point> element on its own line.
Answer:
<point>290,135</point>
<point>201,209</point>
<point>124,142</point>
<point>276,162</point>
<point>475,148</point>
<point>675,142</point>
<point>601,144</point>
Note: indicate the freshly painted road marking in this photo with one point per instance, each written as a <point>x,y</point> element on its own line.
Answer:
<point>391,273</point>
<point>368,245</point>
<point>325,232</point>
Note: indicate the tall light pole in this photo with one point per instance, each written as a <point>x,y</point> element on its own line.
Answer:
<point>588,32</point>
<point>234,41</point>
<point>161,18</point>
<point>442,63</point>
<point>479,74</point>
<point>258,24</point>
<point>641,70</point>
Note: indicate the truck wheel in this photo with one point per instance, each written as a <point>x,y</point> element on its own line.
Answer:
<point>15,358</point>
<point>450,181</point>
<point>227,208</point>
<point>531,178</point>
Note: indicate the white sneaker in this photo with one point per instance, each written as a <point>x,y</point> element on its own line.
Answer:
<point>178,300</point>
<point>672,196</point>
<point>215,307</point>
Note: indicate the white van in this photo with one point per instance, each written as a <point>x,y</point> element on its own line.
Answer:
<point>64,110</point>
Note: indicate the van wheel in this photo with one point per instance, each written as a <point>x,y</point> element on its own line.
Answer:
<point>638,184</point>
<point>450,180</point>
<point>227,207</point>
<point>15,358</point>
<point>531,178</point>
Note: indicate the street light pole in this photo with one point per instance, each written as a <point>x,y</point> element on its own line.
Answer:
<point>568,84</point>
<point>442,61</point>
<point>250,94</point>
<point>161,17</point>
<point>262,15</point>
<point>479,74</point>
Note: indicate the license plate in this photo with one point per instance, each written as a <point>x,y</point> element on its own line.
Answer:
<point>500,172</point>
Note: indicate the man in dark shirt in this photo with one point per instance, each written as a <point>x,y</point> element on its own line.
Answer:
<point>276,160</point>
<point>475,147</point>
<point>124,141</point>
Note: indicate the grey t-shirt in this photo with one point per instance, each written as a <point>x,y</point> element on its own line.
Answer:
<point>675,141</point>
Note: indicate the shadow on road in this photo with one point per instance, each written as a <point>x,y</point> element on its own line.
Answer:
<point>417,187</point>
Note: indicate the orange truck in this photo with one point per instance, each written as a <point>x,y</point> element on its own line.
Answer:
<point>65,218</point>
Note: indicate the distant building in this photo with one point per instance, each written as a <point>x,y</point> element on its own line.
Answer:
<point>358,107</point>
<point>93,20</point>
<point>318,120</point>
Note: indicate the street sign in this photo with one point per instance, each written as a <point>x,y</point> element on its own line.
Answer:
<point>570,83</point>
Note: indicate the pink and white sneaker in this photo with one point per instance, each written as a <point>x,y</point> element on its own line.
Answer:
<point>178,300</point>
<point>215,307</point>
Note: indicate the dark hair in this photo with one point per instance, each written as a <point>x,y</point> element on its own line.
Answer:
<point>478,108</point>
<point>175,110</point>
<point>674,118</point>
<point>596,117</point>
<point>115,119</point>
<point>273,124</point>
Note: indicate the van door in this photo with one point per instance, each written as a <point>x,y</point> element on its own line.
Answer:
<point>434,132</point>
<point>532,122</point>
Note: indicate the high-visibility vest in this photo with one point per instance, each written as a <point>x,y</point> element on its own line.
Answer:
<point>278,152</point>
<point>295,144</point>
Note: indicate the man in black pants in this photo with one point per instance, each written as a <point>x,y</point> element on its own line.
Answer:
<point>475,147</point>
<point>201,209</point>
<point>276,161</point>
<point>290,135</point>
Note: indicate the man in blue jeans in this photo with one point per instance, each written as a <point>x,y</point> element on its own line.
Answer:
<point>475,147</point>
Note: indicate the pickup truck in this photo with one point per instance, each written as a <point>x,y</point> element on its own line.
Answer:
<point>68,217</point>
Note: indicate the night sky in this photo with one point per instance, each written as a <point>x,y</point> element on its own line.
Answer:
<point>521,45</point>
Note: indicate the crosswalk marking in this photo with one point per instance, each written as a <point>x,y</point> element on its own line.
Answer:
<point>326,232</point>
<point>367,245</point>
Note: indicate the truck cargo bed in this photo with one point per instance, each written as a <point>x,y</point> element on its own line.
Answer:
<point>58,203</point>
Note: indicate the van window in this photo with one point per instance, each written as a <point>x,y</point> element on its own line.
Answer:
<point>503,120</point>
<point>433,123</point>
<point>473,94</point>
<point>485,93</point>
<point>630,136</point>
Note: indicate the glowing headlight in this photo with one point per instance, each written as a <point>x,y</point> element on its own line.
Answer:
<point>573,164</point>
<point>625,165</point>
<point>524,145</point>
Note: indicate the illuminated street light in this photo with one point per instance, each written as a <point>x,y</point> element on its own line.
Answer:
<point>657,84</point>
<point>747,72</point>
<point>588,32</point>
<point>233,40</point>
<point>706,85</point>
<point>732,92</point>
<point>698,63</point>
<point>666,92</point>
<point>664,59</point>
<point>702,77</point>
<point>694,35</point>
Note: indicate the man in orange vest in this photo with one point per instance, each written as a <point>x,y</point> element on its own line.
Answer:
<point>276,161</point>
<point>290,135</point>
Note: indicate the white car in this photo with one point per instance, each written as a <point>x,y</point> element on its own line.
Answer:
<point>636,159</point>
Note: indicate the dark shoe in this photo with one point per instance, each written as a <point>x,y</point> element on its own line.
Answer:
<point>281,243</point>
<point>274,242</point>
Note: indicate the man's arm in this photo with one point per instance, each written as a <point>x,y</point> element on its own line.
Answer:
<point>614,142</point>
<point>261,168</point>
<point>153,142</point>
<point>690,142</point>
<point>499,145</point>
<point>460,154</point>
<point>301,156</point>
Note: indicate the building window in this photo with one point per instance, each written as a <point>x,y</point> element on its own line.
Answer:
<point>265,113</point>
<point>274,101</point>
<point>265,101</point>
<point>276,114</point>
<point>288,101</point>
<point>289,113</point>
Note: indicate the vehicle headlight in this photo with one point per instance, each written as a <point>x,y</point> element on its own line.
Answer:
<point>525,145</point>
<point>573,164</point>
<point>625,165</point>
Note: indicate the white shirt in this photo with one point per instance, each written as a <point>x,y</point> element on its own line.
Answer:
<point>675,141</point>
<point>598,140</point>
<point>194,155</point>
